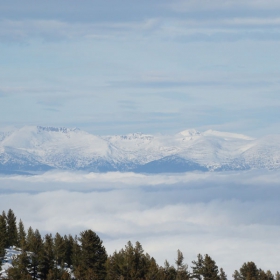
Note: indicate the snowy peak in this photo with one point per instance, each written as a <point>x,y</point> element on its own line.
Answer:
<point>34,148</point>
<point>29,137</point>
<point>189,133</point>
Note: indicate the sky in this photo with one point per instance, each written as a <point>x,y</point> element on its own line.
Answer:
<point>115,67</point>
<point>123,66</point>
<point>233,217</point>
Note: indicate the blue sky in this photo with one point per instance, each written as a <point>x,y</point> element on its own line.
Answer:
<point>151,66</point>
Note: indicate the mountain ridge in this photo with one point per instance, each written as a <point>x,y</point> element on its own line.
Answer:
<point>36,149</point>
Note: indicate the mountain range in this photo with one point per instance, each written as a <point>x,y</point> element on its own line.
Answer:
<point>33,149</point>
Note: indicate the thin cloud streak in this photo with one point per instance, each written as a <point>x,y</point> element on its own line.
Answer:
<point>55,30</point>
<point>193,5</point>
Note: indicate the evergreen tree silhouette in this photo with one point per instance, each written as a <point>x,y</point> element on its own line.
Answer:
<point>12,229</point>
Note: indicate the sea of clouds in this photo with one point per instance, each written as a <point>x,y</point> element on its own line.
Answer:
<point>234,217</point>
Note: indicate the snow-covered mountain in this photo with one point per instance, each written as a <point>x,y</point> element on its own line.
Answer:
<point>36,149</point>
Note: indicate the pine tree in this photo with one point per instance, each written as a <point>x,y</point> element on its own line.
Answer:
<point>47,260</point>
<point>76,253</point>
<point>170,272</point>
<point>36,248</point>
<point>153,269</point>
<point>4,216</point>
<point>69,244</point>
<point>59,248</point>
<point>29,238</point>
<point>236,275</point>
<point>128,265</point>
<point>62,254</point>
<point>210,269</point>
<point>182,273</point>
<point>205,268</point>
<point>93,254</point>
<point>115,266</point>
<point>3,237</point>
<point>223,275</point>
<point>262,275</point>
<point>198,267</point>
<point>131,263</point>
<point>12,229</point>
<point>277,275</point>
<point>249,271</point>
<point>140,265</point>
<point>270,276</point>
<point>21,236</point>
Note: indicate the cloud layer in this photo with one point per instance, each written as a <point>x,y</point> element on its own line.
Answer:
<point>234,217</point>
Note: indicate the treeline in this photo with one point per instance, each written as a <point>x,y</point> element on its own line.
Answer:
<point>84,257</point>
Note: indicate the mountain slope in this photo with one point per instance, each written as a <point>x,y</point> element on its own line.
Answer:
<point>36,149</point>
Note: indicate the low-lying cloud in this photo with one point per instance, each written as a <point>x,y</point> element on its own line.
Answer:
<point>232,216</point>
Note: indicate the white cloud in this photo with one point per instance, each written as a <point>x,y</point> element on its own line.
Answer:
<point>234,217</point>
